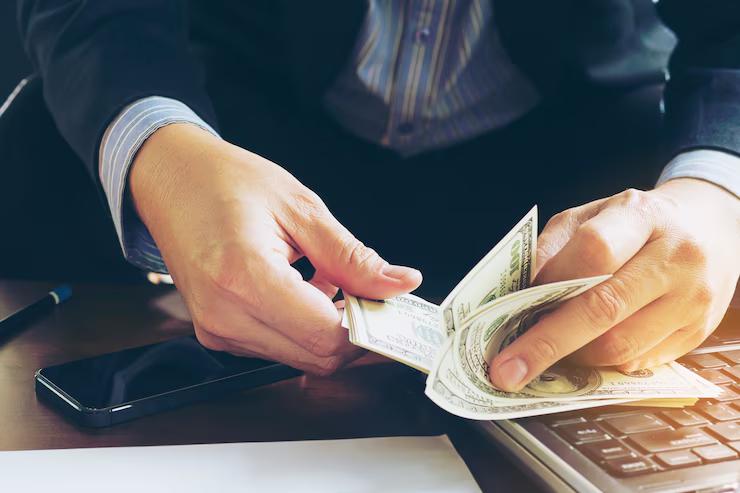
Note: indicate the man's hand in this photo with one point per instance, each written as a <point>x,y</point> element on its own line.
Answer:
<point>229,225</point>
<point>675,255</point>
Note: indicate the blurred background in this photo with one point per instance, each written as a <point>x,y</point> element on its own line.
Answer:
<point>13,63</point>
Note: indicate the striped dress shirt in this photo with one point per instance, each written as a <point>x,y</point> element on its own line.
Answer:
<point>424,74</point>
<point>427,74</point>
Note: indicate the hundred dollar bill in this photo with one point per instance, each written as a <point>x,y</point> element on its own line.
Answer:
<point>507,268</point>
<point>683,402</point>
<point>488,310</point>
<point>405,328</point>
<point>446,388</point>
<point>478,342</point>
<point>345,319</point>
<point>509,315</point>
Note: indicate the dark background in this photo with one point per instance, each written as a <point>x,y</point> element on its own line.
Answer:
<point>78,241</point>
<point>13,63</point>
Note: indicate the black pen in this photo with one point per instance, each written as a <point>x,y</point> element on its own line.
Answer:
<point>38,308</point>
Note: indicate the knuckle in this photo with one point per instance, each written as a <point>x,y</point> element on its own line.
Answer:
<point>646,204</point>
<point>618,349</point>
<point>324,343</point>
<point>308,206</point>
<point>328,366</point>
<point>357,255</point>
<point>637,200</point>
<point>596,251</point>
<point>633,197</point>
<point>704,295</point>
<point>559,219</point>
<point>689,251</point>
<point>602,305</point>
<point>544,349</point>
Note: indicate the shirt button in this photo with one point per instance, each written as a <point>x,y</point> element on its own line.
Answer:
<point>423,35</point>
<point>405,128</point>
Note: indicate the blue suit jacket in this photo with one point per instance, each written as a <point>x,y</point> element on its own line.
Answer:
<point>95,57</point>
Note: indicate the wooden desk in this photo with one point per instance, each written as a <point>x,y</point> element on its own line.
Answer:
<point>371,398</point>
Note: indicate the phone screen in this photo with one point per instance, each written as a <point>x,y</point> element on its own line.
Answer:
<point>117,378</point>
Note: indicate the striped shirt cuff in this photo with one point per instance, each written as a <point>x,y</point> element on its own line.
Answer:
<point>720,168</point>
<point>122,140</point>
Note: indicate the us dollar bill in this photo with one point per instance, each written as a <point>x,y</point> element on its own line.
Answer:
<point>506,319</point>
<point>447,388</point>
<point>507,268</point>
<point>488,310</point>
<point>504,322</point>
<point>405,328</point>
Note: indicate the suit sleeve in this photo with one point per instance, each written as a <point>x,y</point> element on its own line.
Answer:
<point>97,57</point>
<point>702,96</point>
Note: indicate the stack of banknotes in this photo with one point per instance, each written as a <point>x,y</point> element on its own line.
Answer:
<point>492,306</point>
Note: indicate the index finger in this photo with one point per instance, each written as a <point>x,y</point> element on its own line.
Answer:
<point>580,320</point>
<point>602,243</point>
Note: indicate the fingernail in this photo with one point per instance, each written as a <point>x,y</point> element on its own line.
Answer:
<point>400,272</point>
<point>512,373</point>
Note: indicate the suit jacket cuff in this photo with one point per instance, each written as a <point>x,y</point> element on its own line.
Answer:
<point>720,168</point>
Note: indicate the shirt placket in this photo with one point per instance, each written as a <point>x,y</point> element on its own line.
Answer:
<point>411,74</point>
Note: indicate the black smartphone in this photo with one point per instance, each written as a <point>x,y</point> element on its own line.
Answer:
<point>116,387</point>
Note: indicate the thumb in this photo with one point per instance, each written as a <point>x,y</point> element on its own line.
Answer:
<point>347,263</point>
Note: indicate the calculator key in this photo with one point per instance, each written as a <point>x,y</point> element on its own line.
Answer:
<point>731,356</point>
<point>630,466</point>
<point>677,458</point>
<point>718,412</point>
<point>735,446</point>
<point>559,421</point>
<point>608,450</point>
<point>707,360</point>
<point>727,394</point>
<point>666,440</point>
<point>715,453</point>
<point>725,339</point>
<point>727,432</point>
<point>715,376</point>
<point>627,424</point>
<point>733,372</point>
<point>582,433</point>
<point>684,417</point>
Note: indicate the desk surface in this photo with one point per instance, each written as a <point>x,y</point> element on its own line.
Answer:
<point>373,397</point>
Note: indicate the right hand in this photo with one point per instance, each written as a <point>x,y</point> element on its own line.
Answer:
<point>229,224</point>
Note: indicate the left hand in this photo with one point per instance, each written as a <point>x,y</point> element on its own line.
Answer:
<point>675,255</point>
